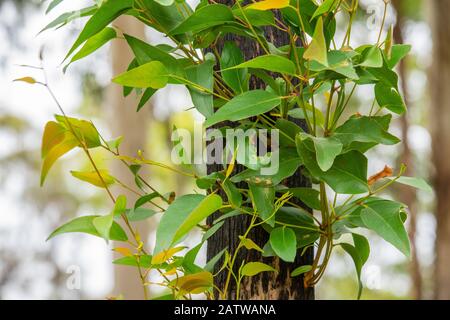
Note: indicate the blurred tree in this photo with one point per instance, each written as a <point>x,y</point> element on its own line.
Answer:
<point>134,127</point>
<point>408,195</point>
<point>440,126</point>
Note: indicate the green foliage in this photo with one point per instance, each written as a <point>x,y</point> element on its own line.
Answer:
<point>314,83</point>
<point>284,242</point>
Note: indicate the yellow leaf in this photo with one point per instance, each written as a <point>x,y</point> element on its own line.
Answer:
<point>84,130</point>
<point>53,134</point>
<point>269,4</point>
<point>94,179</point>
<point>250,245</point>
<point>124,251</point>
<point>29,80</point>
<point>56,152</point>
<point>231,166</point>
<point>193,283</point>
<point>165,255</point>
<point>171,272</point>
<point>317,49</point>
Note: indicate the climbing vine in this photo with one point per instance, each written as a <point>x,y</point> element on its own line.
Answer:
<point>311,79</point>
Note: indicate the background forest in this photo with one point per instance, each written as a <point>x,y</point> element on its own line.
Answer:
<point>31,268</point>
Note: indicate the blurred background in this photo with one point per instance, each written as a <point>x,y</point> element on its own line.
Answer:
<point>31,268</point>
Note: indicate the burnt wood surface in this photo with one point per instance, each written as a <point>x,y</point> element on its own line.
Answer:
<point>267,285</point>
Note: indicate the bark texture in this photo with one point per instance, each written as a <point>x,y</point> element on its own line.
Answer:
<point>408,195</point>
<point>125,121</point>
<point>440,95</point>
<point>267,285</point>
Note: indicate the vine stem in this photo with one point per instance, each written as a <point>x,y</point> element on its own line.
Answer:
<point>91,160</point>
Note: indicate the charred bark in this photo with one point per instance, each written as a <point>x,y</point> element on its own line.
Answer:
<point>267,285</point>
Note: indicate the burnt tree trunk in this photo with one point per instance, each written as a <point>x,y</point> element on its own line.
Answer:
<point>267,285</point>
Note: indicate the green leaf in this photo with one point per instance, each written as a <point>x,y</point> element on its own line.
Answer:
<point>353,252</point>
<point>189,265</point>
<point>103,225</point>
<point>150,75</point>
<point>115,143</point>
<point>145,199</point>
<point>399,51</point>
<point>148,93</point>
<point>284,242</point>
<point>253,268</point>
<point>106,13</point>
<point>53,5</point>
<point>120,206</point>
<point>338,62</point>
<point>166,17</point>
<point>256,18</point>
<point>144,261</point>
<point>317,49</point>
<point>362,246</point>
<point>389,226</point>
<point>94,179</point>
<point>211,231</point>
<point>228,215</point>
<point>93,44</point>
<point>85,225</point>
<point>67,17</point>
<point>415,183</point>
<point>289,164</point>
<point>204,18</point>
<point>246,105</point>
<point>388,97</point>
<point>327,149</point>
<point>183,214</point>
<point>326,7</point>
<point>366,130</point>
<point>373,58</point>
<point>211,263</point>
<point>165,2</point>
<point>301,270</point>
<point>140,214</point>
<point>145,53</point>
<point>232,56</point>
<point>377,204</point>
<point>306,232</point>
<point>84,130</point>
<point>208,206</point>
<point>308,196</point>
<point>348,175</point>
<point>202,75</point>
<point>233,194</point>
<point>271,63</point>
<point>264,199</point>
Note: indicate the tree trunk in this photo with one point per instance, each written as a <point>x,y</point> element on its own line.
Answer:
<point>267,285</point>
<point>440,96</point>
<point>125,121</point>
<point>408,195</point>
